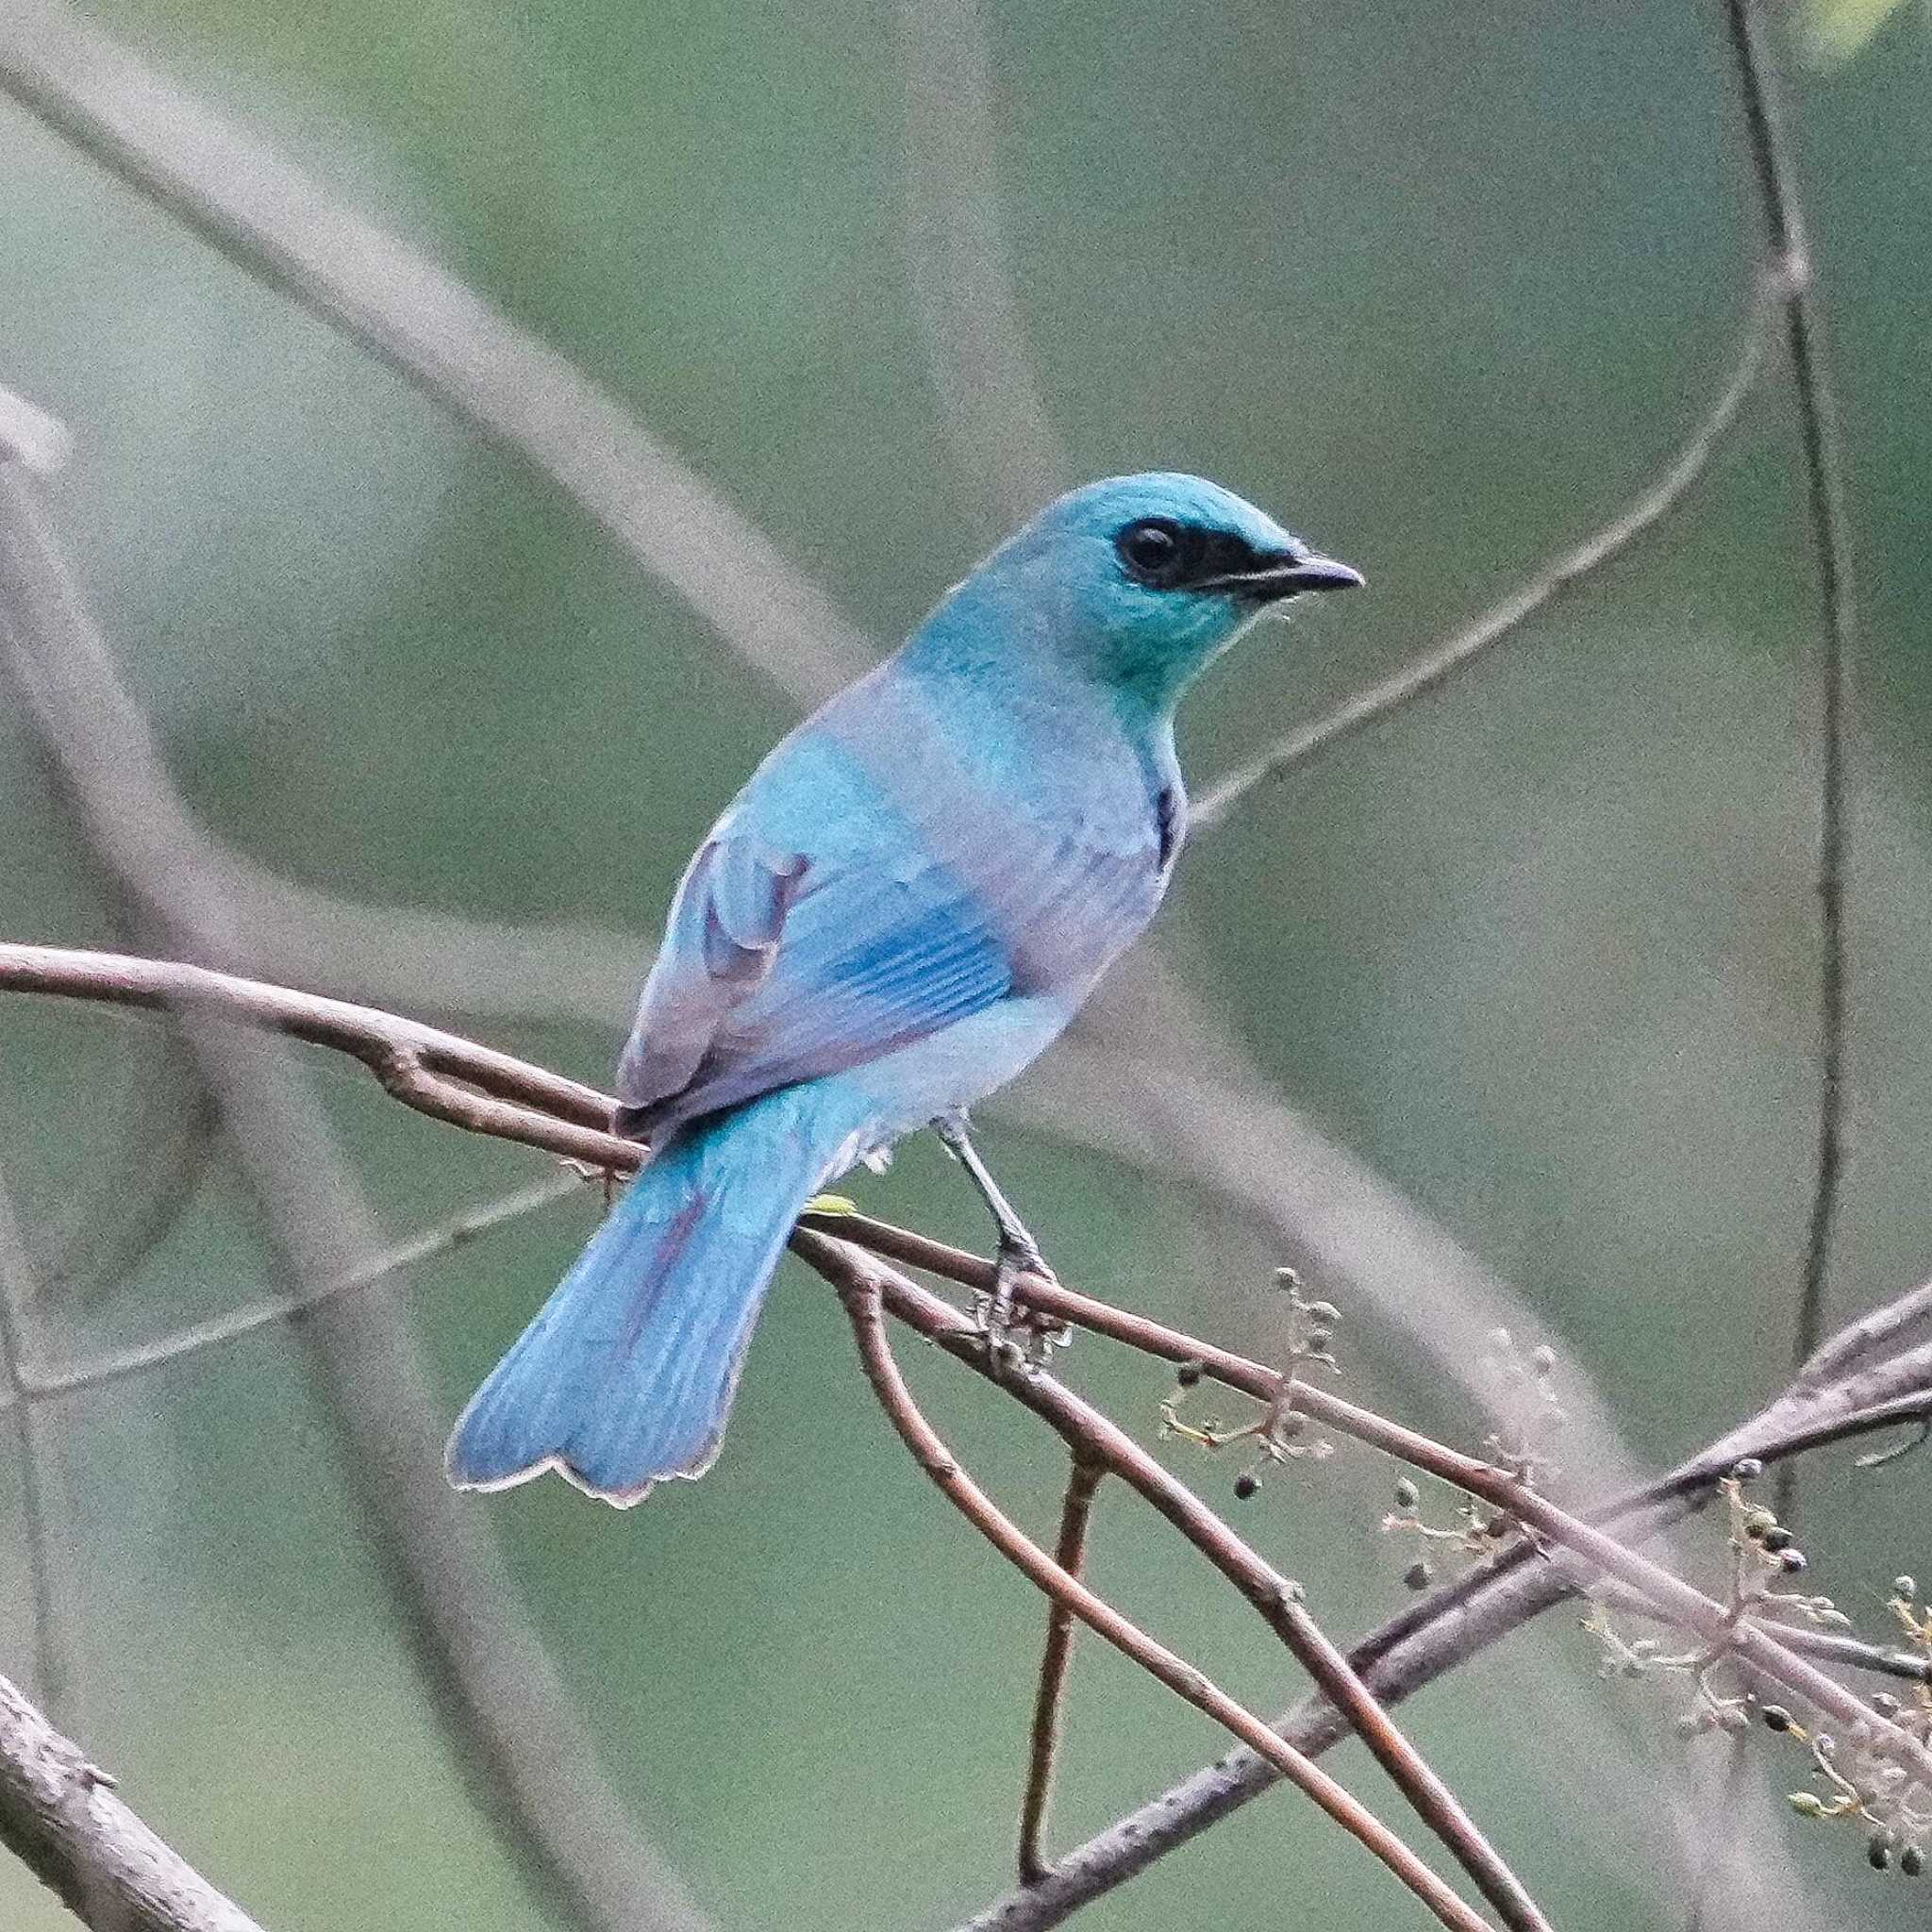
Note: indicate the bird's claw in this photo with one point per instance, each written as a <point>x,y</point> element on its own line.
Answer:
<point>1015,1337</point>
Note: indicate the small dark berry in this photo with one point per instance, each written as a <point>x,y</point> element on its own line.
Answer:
<point>1188,1374</point>
<point>1911,1861</point>
<point>1245,1484</point>
<point>1748,1471</point>
<point>1776,1718</point>
<point>1778,1538</point>
<point>1419,1576</point>
<point>1793,1560</point>
<point>1878,1854</point>
<point>1406,1495</point>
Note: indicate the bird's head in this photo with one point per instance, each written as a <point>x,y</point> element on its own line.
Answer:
<point>1143,580</point>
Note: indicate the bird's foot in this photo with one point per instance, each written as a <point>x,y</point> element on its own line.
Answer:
<point>1016,1337</point>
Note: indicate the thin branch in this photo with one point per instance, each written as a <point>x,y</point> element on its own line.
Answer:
<point>445,1237</point>
<point>1828,1646</point>
<point>1751,1644</point>
<point>862,1289</point>
<point>282,228</point>
<point>1864,1337</point>
<point>1777,187</point>
<point>60,1816</point>
<point>1089,1433</point>
<point>1438,665</point>
<point>53,1665</point>
<point>439,1074</point>
<point>1083,1482</point>
<point>1410,1651</point>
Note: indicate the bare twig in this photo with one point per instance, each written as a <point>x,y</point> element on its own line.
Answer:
<point>1752,1644</point>
<point>443,1075</point>
<point>1436,666</point>
<point>1069,1553</point>
<point>60,1816</point>
<point>1777,188</point>
<point>1826,1646</point>
<point>861,1291</point>
<point>1858,1341</point>
<point>1089,1433</point>
<point>458,1231</point>
<point>1410,1651</point>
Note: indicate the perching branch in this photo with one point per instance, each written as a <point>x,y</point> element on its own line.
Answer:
<point>1428,1640</point>
<point>1090,1435</point>
<point>60,1816</point>
<point>862,1287</point>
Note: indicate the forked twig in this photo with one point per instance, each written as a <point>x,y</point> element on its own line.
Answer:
<point>862,1293</point>
<point>1429,1639</point>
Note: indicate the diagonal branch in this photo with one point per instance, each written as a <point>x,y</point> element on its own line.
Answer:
<point>60,1814</point>
<point>281,227</point>
<point>1407,1653</point>
<point>1455,653</point>
<point>494,1687</point>
<point>861,1286</point>
<point>1069,1553</point>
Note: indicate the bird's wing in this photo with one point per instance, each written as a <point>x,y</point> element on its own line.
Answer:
<point>778,966</point>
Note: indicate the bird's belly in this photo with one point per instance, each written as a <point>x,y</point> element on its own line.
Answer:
<point>961,1063</point>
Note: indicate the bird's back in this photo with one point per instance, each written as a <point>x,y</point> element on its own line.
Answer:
<point>944,840</point>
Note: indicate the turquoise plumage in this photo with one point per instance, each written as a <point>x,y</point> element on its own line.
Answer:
<point>905,905</point>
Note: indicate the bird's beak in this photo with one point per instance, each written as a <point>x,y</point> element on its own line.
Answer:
<point>1289,577</point>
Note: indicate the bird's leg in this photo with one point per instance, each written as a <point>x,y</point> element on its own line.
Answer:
<point>1018,1253</point>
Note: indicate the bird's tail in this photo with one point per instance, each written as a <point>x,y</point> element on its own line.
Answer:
<point>627,1373</point>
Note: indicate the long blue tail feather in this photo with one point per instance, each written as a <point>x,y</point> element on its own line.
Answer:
<point>626,1374</point>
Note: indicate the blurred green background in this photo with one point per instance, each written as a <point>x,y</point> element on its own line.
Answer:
<point>1442,286</point>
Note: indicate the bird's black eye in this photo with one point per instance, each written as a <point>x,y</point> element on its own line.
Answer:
<point>1154,550</point>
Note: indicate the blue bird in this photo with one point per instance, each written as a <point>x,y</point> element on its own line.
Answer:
<point>904,906</point>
